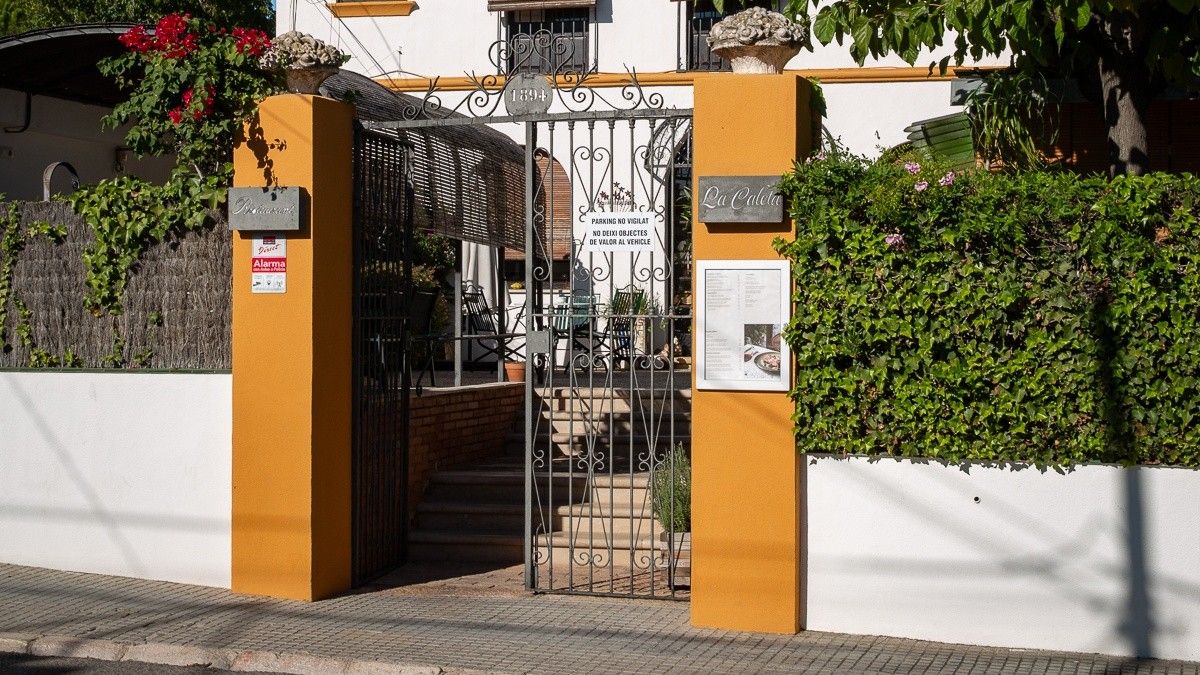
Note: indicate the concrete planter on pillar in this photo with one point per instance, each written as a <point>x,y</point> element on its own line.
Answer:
<point>757,41</point>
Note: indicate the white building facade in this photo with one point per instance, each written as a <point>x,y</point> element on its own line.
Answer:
<point>405,43</point>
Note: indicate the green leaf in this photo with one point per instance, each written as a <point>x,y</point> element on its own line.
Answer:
<point>862,32</point>
<point>823,26</point>
<point>1083,16</point>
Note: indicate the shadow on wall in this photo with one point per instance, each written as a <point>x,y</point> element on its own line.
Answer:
<point>98,511</point>
<point>116,473</point>
<point>1000,546</point>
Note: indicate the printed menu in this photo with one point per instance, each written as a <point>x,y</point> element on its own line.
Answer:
<point>742,312</point>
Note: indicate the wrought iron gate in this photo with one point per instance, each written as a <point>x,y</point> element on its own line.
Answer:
<point>607,427</point>
<point>382,292</point>
<point>607,318</point>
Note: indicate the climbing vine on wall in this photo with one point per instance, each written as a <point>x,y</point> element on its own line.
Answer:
<point>1038,317</point>
<point>192,88</point>
<point>13,240</point>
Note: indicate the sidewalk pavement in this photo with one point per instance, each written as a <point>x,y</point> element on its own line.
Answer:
<point>441,627</point>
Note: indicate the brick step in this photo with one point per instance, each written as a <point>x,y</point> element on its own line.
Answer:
<point>431,546</point>
<point>434,546</point>
<point>496,486</point>
<point>617,429</point>
<point>507,486</point>
<point>604,423</point>
<point>598,547</point>
<point>465,517</point>
<point>590,400</point>
<point>596,528</point>
<point>579,443</point>
<point>643,391</point>
<point>605,407</point>
<point>625,488</point>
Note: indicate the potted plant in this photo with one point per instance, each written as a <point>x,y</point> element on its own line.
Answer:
<point>306,62</point>
<point>671,482</point>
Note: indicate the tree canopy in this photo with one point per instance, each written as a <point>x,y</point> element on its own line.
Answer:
<point>21,15</point>
<point>1122,53</point>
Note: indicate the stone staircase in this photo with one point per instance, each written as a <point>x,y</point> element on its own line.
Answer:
<point>594,516</point>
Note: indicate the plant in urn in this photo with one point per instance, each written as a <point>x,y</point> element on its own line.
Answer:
<point>305,61</point>
<point>757,40</point>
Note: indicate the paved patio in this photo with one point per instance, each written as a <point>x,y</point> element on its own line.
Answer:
<point>453,620</point>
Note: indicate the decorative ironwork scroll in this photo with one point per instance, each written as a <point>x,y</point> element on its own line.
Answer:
<point>571,86</point>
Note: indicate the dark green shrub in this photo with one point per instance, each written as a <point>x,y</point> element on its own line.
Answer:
<point>1035,317</point>
<point>672,480</point>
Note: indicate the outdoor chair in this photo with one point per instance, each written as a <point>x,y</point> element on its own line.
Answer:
<point>621,314</point>
<point>420,333</point>
<point>390,355</point>
<point>480,325</point>
<point>573,322</point>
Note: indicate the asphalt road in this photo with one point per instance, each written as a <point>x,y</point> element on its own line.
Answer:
<point>23,664</point>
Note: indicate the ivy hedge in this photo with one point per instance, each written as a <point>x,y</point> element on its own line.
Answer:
<point>1038,317</point>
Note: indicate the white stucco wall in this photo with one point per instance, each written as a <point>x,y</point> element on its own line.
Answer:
<point>117,473</point>
<point>1101,559</point>
<point>449,39</point>
<point>62,131</point>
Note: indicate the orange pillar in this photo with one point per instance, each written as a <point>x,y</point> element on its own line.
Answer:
<point>747,501</point>
<point>292,362</point>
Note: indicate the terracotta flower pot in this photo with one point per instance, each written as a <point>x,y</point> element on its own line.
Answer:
<point>514,371</point>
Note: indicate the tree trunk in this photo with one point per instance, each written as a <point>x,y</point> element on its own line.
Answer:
<point>1126,89</point>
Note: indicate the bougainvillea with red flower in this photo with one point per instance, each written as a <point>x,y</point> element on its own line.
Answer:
<point>192,86</point>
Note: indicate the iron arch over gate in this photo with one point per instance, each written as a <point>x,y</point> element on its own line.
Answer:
<point>606,239</point>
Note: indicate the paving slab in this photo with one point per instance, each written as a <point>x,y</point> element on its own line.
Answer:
<point>457,628</point>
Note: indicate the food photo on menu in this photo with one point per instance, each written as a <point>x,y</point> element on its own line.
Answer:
<point>761,353</point>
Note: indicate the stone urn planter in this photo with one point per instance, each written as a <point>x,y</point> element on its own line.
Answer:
<point>757,41</point>
<point>307,80</point>
<point>306,62</point>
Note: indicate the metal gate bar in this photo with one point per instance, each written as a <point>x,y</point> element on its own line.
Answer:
<point>381,376</point>
<point>602,426</point>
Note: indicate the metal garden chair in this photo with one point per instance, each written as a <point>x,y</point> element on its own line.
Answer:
<point>626,304</point>
<point>480,325</point>
<point>573,321</point>
<point>420,332</point>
